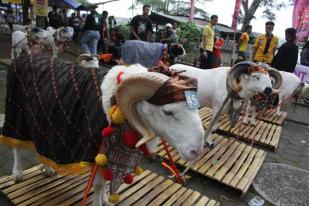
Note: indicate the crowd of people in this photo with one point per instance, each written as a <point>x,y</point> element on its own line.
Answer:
<point>102,37</point>
<point>98,34</point>
<point>265,48</point>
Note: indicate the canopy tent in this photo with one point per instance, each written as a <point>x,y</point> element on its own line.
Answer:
<point>72,4</point>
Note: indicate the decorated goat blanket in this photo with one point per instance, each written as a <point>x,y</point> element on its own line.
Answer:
<point>55,108</point>
<point>145,53</point>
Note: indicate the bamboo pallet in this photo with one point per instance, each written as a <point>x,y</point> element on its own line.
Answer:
<point>230,162</point>
<point>264,134</point>
<point>272,117</point>
<point>147,189</point>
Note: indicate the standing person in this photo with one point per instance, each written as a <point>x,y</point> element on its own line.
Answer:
<point>169,35</point>
<point>207,44</point>
<point>103,41</point>
<point>242,46</point>
<point>141,25</point>
<point>265,45</point>
<point>64,20</point>
<point>82,21</point>
<point>177,31</point>
<point>287,55</point>
<point>216,57</point>
<point>91,34</point>
<point>54,18</point>
<point>9,17</point>
<point>75,24</point>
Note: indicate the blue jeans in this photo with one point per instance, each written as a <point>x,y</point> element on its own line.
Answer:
<point>89,41</point>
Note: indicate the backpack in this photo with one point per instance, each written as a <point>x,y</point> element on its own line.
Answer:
<point>304,57</point>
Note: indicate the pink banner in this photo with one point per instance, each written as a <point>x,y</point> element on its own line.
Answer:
<point>236,13</point>
<point>192,8</point>
<point>301,19</point>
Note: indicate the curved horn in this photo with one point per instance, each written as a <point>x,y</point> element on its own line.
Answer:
<point>236,70</point>
<point>130,92</point>
<point>276,75</point>
<point>82,57</point>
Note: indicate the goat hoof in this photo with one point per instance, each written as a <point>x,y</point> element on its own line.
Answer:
<point>17,177</point>
<point>210,144</point>
<point>49,172</point>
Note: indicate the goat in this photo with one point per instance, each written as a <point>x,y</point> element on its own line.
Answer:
<point>57,38</point>
<point>56,108</point>
<point>291,87</point>
<point>23,41</point>
<point>215,85</point>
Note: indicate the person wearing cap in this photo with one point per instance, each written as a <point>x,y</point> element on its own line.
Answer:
<point>141,26</point>
<point>169,35</point>
<point>207,44</point>
<point>287,55</point>
<point>91,34</point>
<point>265,45</point>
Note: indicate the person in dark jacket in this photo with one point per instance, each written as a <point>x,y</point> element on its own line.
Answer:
<point>103,41</point>
<point>91,34</point>
<point>287,55</point>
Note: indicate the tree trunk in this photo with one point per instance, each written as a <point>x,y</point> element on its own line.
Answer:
<point>249,11</point>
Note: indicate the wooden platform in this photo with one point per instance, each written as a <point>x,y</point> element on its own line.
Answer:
<point>264,134</point>
<point>230,162</point>
<point>272,117</point>
<point>147,189</point>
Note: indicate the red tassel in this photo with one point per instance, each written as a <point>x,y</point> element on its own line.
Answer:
<point>128,179</point>
<point>143,148</point>
<point>107,174</point>
<point>130,138</point>
<point>107,131</point>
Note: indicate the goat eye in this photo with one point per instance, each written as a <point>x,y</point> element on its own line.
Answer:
<point>167,113</point>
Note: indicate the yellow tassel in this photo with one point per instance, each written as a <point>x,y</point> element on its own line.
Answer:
<point>101,159</point>
<point>138,171</point>
<point>114,198</point>
<point>116,115</point>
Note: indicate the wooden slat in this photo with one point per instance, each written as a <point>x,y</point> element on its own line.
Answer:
<point>25,172</point>
<point>230,162</point>
<point>147,189</point>
<point>261,134</point>
<point>273,118</point>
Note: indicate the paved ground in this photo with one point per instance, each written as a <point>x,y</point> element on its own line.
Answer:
<point>293,147</point>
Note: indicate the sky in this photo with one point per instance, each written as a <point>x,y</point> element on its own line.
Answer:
<point>223,8</point>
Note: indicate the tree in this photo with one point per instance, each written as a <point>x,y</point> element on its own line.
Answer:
<point>174,7</point>
<point>249,9</point>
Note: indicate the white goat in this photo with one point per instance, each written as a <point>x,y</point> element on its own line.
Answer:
<point>213,91</point>
<point>23,41</point>
<point>57,38</point>
<point>175,122</point>
<point>288,90</point>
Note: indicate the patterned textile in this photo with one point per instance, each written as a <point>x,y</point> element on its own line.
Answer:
<point>173,89</point>
<point>57,108</point>
<point>144,53</point>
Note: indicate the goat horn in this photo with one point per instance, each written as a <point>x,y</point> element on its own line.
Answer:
<point>276,75</point>
<point>237,70</point>
<point>130,92</point>
<point>276,91</point>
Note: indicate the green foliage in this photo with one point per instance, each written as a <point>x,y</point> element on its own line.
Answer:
<point>125,30</point>
<point>189,32</point>
<point>174,7</point>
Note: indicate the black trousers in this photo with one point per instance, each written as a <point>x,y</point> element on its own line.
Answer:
<point>206,61</point>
